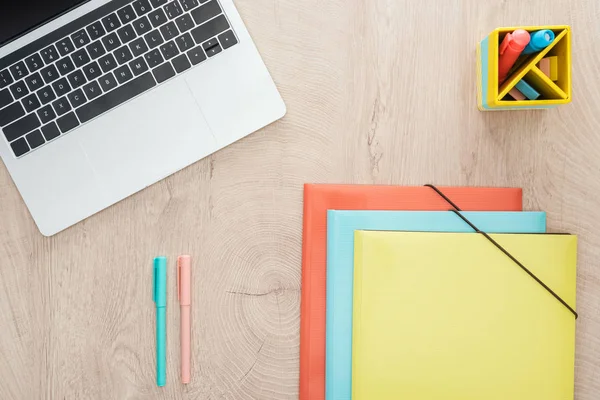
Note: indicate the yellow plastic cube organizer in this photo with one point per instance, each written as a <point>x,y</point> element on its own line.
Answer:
<point>492,96</point>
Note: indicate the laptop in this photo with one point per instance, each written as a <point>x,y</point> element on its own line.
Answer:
<point>100,99</point>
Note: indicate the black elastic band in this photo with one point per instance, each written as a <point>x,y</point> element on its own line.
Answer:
<point>438,191</point>
<point>458,212</point>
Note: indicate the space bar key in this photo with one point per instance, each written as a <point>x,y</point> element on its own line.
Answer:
<point>113,98</point>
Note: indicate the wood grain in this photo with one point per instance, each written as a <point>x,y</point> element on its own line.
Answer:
<point>377,92</point>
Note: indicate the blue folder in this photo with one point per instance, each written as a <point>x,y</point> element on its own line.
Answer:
<point>340,269</point>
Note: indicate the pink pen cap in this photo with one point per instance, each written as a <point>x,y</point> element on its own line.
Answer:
<point>184,294</point>
<point>184,280</point>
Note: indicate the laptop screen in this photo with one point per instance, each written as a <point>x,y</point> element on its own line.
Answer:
<point>18,17</point>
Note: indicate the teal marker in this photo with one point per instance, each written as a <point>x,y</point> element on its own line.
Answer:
<point>159,295</point>
<point>539,41</point>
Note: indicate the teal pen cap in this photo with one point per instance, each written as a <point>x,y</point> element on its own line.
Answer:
<point>159,295</point>
<point>539,41</point>
<point>159,282</point>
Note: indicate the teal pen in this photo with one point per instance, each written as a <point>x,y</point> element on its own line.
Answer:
<point>159,295</point>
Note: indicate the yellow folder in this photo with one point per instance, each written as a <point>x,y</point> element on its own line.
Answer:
<point>448,316</point>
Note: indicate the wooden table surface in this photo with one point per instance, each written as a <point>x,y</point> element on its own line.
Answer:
<point>377,92</point>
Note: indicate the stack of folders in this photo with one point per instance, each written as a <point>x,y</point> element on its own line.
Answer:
<point>430,292</point>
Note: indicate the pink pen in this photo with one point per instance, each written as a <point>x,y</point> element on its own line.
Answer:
<point>184,293</point>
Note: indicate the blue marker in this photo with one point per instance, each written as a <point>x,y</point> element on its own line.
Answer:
<point>539,41</point>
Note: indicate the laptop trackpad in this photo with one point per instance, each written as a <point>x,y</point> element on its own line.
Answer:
<point>147,139</point>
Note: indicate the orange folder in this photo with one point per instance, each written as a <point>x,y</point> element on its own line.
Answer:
<point>320,198</point>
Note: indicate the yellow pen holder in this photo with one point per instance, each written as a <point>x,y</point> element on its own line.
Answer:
<point>492,96</point>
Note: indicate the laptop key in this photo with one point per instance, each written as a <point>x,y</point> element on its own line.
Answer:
<point>61,87</point>
<point>169,31</point>
<point>138,66</point>
<point>111,41</point>
<point>92,71</point>
<point>181,63</point>
<point>50,131</point>
<point>209,43</point>
<point>50,74</point>
<point>227,39</point>
<point>92,90</point>
<point>68,122</point>
<point>173,9</point>
<point>34,62</point>
<point>153,58</point>
<point>34,82</point>
<point>46,114</point>
<point>123,74</point>
<point>157,17</point>
<point>20,147</point>
<point>169,50</point>
<point>31,103</point>
<point>5,79</point>
<point>65,46</point>
<point>107,63</point>
<point>189,4</point>
<point>80,58</point>
<point>184,42</point>
<point>96,49</point>
<point>5,98</point>
<point>61,106</point>
<point>209,29</point>
<point>142,25</point>
<point>163,72</point>
<point>184,23</point>
<point>126,34</point>
<point>21,127</point>
<point>77,98</point>
<point>49,54</point>
<point>80,38</point>
<point>154,39</point>
<point>123,55</point>
<point>76,79</point>
<point>126,14</point>
<point>142,7</point>
<point>11,113</point>
<point>118,96</point>
<point>111,22</point>
<point>95,30</point>
<point>214,50</point>
<point>158,3</point>
<point>108,82</point>
<point>35,139</point>
<point>206,12</point>
<point>138,47</point>
<point>19,70</point>
<point>46,95</point>
<point>65,66</point>
<point>19,90</point>
<point>196,55</point>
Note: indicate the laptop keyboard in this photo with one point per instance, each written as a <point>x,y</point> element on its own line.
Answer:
<point>101,60</point>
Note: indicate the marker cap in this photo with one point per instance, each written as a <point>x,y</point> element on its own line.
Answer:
<point>159,281</point>
<point>520,40</point>
<point>184,280</point>
<point>541,39</point>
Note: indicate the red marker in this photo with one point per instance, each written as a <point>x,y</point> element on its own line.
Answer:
<point>511,48</point>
